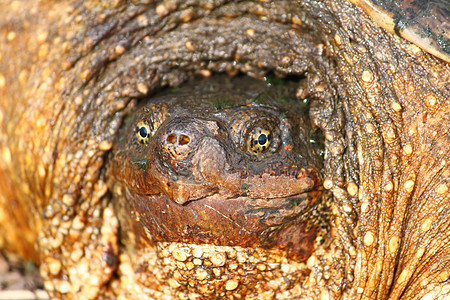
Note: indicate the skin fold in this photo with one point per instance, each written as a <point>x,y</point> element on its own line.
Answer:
<point>71,72</point>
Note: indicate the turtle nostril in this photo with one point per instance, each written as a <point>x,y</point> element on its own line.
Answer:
<point>172,138</point>
<point>183,139</point>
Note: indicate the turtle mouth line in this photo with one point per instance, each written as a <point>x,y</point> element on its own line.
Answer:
<point>269,189</point>
<point>221,198</point>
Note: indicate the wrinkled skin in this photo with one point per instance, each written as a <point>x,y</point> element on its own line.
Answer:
<point>71,71</point>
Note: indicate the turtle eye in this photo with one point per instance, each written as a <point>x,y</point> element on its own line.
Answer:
<point>143,133</point>
<point>259,140</point>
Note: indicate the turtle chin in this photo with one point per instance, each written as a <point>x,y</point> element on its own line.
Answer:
<point>289,224</point>
<point>216,245</point>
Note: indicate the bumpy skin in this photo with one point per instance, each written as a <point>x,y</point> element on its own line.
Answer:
<point>70,71</point>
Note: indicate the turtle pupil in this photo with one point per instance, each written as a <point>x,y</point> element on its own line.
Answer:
<point>143,132</point>
<point>262,139</point>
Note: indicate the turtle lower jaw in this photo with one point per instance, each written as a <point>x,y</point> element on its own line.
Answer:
<point>276,223</point>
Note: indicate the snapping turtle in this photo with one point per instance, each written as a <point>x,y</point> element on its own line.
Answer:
<point>71,72</point>
<point>222,187</point>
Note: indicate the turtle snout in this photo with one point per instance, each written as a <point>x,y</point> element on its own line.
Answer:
<point>178,143</point>
<point>189,157</point>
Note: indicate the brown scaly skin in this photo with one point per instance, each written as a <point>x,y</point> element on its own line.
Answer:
<point>70,71</point>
